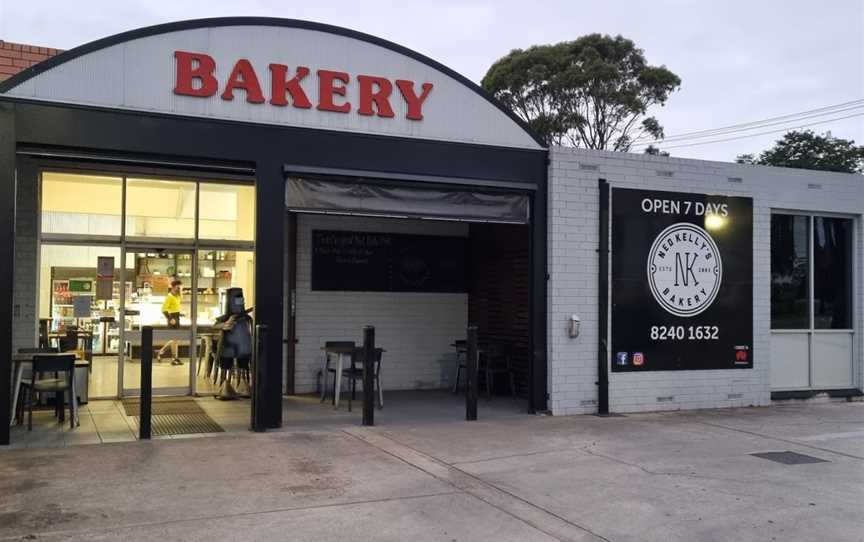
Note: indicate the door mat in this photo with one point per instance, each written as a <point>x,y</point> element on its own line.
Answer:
<point>163,405</point>
<point>180,424</point>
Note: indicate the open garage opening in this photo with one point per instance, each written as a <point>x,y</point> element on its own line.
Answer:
<point>420,265</point>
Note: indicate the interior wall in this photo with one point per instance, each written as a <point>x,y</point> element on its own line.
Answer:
<point>416,329</point>
<point>499,293</point>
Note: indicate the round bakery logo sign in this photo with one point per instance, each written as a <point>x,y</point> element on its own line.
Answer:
<point>684,269</point>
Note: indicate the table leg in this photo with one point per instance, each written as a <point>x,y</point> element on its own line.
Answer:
<point>338,390</point>
<point>73,403</point>
<point>16,387</point>
<point>324,366</point>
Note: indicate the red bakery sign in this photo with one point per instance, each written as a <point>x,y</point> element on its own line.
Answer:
<point>195,77</point>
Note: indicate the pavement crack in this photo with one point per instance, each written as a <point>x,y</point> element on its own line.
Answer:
<point>473,491</point>
<point>511,456</point>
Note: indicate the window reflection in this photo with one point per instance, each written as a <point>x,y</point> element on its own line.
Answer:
<point>162,209</point>
<point>832,281</point>
<point>81,204</point>
<point>226,212</point>
<point>790,268</point>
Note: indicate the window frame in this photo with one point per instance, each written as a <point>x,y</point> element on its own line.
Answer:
<point>811,267</point>
<point>124,243</point>
<point>124,172</point>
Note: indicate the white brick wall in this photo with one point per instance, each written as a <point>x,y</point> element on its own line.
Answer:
<point>416,329</point>
<point>573,268</point>
<point>25,321</point>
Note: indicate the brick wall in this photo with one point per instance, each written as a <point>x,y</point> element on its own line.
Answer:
<point>25,321</point>
<point>416,329</point>
<point>15,57</point>
<point>499,294</point>
<point>573,266</point>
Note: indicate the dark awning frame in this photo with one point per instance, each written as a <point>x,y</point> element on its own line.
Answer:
<point>374,198</point>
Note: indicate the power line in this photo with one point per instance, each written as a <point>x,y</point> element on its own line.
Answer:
<point>765,125</point>
<point>759,133</point>
<point>771,121</point>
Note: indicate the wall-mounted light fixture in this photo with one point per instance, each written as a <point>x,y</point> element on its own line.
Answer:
<point>573,326</point>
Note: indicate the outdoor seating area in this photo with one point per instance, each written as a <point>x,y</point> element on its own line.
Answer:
<point>107,421</point>
<point>343,363</point>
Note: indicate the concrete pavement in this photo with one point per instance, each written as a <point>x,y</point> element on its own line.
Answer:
<point>650,477</point>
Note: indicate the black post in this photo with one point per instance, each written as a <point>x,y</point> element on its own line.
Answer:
<point>368,375</point>
<point>146,383</point>
<point>603,303</point>
<point>7,253</point>
<point>270,278</point>
<point>259,366</point>
<point>471,375</point>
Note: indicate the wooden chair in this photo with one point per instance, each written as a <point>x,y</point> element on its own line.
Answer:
<point>58,386</point>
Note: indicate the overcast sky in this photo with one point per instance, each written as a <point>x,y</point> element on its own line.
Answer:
<point>739,61</point>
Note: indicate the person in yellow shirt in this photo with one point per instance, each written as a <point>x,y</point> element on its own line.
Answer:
<point>171,310</point>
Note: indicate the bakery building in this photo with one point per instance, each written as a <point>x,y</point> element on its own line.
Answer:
<point>341,180</point>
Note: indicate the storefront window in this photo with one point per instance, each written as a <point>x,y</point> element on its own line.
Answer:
<point>81,204</point>
<point>805,250</point>
<point>79,307</point>
<point>160,209</point>
<point>790,272</point>
<point>832,273</point>
<point>160,243</point>
<point>227,211</point>
<point>219,270</point>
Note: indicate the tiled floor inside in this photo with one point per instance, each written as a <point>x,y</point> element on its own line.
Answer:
<point>103,376</point>
<point>105,421</point>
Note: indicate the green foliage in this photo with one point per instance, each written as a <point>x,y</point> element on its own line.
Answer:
<point>808,150</point>
<point>593,92</point>
<point>654,151</point>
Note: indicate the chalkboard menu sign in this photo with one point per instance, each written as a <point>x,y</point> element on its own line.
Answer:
<point>388,262</point>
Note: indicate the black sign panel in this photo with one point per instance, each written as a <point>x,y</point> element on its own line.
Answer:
<point>388,262</point>
<point>682,281</point>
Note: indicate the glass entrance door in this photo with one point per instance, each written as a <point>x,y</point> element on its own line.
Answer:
<point>162,286</point>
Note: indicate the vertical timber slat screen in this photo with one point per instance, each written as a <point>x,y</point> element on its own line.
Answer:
<point>498,294</point>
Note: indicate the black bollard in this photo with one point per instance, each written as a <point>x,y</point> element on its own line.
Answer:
<point>146,398</point>
<point>259,365</point>
<point>369,375</point>
<point>471,375</point>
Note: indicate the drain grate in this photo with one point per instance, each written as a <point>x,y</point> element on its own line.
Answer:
<point>789,458</point>
<point>181,424</point>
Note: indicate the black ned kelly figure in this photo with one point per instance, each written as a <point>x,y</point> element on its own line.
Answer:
<point>234,353</point>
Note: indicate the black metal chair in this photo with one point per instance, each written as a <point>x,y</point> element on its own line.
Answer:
<point>44,327</point>
<point>355,373</point>
<point>26,381</point>
<point>493,358</point>
<point>58,386</point>
<point>497,360</point>
<point>69,341</point>
<point>461,347</point>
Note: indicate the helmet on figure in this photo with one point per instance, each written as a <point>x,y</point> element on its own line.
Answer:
<point>234,302</point>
